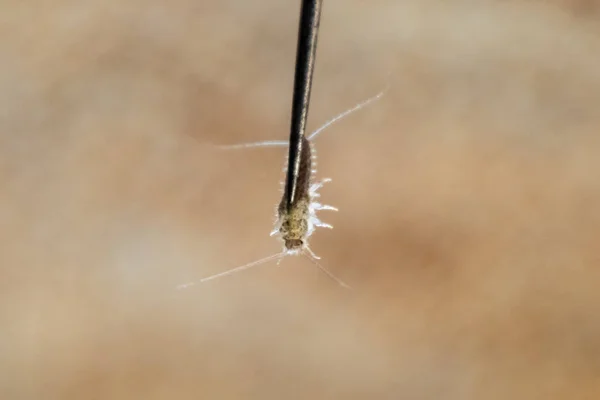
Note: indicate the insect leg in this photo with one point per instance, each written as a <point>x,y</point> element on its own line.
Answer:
<point>319,206</point>
<point>318,185</point>
<point>322,224</point>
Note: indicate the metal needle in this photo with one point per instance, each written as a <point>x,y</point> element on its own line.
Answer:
<point>310,15</point>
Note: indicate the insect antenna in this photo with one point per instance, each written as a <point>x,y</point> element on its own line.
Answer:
<point>313,258</point>
<point>277,256</point>
<point>285,143</point>
<point>266,143</point>
<point>348,112</point>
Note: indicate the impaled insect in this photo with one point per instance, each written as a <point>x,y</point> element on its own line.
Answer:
<point>296,223</point>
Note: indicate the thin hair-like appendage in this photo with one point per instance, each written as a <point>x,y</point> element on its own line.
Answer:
<point>307,252</point>
<point>277,256</point>
<point>348,112</point>
<point>266,143</point>
<point>313,258</point>
<point>284,143</point>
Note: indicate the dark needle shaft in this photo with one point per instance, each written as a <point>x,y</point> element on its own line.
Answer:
<point>310,14</point>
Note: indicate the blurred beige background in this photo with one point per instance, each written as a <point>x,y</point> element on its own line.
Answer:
<point>468,196</point>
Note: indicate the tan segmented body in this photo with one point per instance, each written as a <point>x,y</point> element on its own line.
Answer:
<point>293,222</point>
<point>296,222</point>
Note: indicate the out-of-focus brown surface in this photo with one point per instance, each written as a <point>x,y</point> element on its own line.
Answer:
<point>469,202</point>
